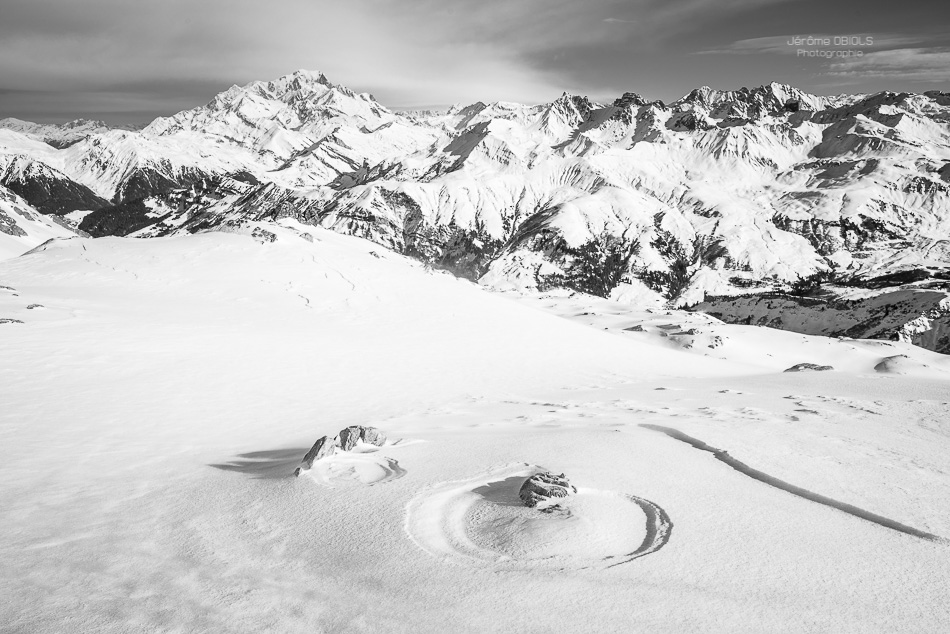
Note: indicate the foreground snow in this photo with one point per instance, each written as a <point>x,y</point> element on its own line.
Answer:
<point>157,401</point>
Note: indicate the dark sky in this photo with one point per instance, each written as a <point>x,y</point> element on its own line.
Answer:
<point>128,61</point>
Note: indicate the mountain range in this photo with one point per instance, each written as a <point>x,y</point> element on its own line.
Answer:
<point>771,206</point>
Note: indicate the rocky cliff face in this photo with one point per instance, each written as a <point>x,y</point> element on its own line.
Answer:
<point>917,314</point>
<point>721,193</point>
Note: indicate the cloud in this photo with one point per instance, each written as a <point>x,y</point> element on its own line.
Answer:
<point>890,56</point>
<point>777,44</point>
<point>792,43</point>
<point>149,57</point>
<point>907,64</point>
<point>406,52</point>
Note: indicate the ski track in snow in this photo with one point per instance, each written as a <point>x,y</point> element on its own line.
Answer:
<point>723,456</point>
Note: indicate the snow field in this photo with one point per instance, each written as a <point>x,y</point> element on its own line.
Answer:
<point>153,413</point>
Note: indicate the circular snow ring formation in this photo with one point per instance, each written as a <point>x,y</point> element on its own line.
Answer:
<point>347,470</point>
<point>481,522</point>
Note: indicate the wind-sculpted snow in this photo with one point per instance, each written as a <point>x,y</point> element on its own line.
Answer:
<point>483,522</point>
<point>352,469</point>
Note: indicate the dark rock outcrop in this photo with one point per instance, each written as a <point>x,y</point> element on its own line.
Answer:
<point>542,487</point>
<point>324,447</point>
<point>356,433</point>
<point>915,315</point>
<point>373,436</point>
<point>47,190</point>
<point>263,235</point>
<point>809,367</point>
<point>346,440</point>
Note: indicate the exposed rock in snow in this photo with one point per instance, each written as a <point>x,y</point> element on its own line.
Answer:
<point>346,440</point>
<point>350,436</point>
<point>809,367</point>
<point>372,436</point>
<point>543,487</point>
<point>263,235</point>
<point>325,446</point>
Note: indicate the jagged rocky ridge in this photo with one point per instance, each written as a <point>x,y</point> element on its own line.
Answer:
<point>729,198</point>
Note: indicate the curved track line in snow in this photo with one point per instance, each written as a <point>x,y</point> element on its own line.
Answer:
<point>659,530</point>
<point>723,456</point>
<point>480,521</point>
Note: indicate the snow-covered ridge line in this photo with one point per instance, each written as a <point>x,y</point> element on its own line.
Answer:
<point>719,193</point>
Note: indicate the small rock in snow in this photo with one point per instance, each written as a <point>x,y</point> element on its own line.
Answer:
<point>809,367</point>
<point>344,441</point>
<point>543,486</point>
<point>373,436</point>
<point>324,447</point>
<point>349,437</point>
<point>355,433</point>
<point>263,235</point>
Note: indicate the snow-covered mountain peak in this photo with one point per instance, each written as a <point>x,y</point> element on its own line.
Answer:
<point>713,194</point>
<point>58,136</point>
<point>300,101</point>
<point>94,124</point>
<point>751,104</point>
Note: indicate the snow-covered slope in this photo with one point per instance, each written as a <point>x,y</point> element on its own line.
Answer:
<point>159,394</point>
<point>22,227</point>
